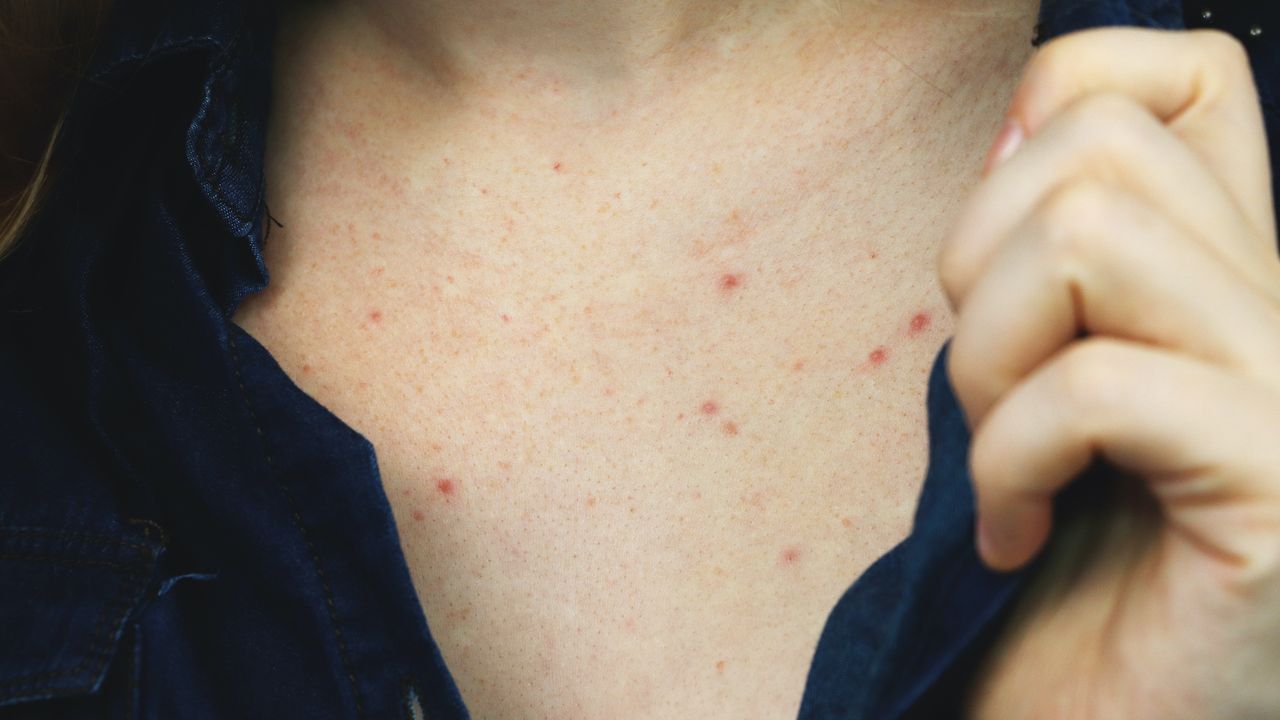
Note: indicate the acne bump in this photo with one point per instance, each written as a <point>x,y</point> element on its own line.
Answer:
<point>789,556</point>
<point>919,323</point>
<point>730,282</point>
<point>446,486</point>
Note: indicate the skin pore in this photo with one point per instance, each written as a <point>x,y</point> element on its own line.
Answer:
<point>636,302</point>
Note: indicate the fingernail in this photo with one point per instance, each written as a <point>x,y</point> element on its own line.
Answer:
<point>1006,143</point>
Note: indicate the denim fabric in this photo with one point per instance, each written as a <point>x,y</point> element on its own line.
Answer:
<point>184,533</point>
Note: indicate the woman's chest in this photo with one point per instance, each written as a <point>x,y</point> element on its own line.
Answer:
<point>629,486</point>
<point>644,406</point>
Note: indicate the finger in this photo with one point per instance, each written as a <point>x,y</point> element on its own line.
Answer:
<point>1203,439</point>
<point>1199,83</point>
<point>1110,139</point>
<point>1097,259</point>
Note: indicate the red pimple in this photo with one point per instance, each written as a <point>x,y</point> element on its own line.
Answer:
<point>918,323</point>
<point>556,166</point>
<point>798,366</point>
<point>789,555</point>
<point>730,427</point>
<point>419,516</point>
<point>878,355</point>
<point>446,486</point>
<point>375,316</point>
<point>506,317</point>
<point>710,408</point>
<point>730,281</point>
<point>591,501</point>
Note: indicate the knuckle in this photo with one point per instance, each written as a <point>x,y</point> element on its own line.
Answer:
<point>1089,378</point>
<point>1073,216</point>
<point>1109,123</point>
<point>1223,50</point>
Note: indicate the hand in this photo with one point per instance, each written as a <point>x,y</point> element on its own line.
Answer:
<point>1117,296</point>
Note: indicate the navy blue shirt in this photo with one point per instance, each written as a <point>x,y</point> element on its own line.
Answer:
<point>184,533</point>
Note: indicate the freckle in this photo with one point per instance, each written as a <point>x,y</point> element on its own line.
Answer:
<point>608,392</point>
<point>847,522</point>
<point>878,355</point>
<point>710,408</point>
<point>446,161</point>
<point>919,323</point>
<point>591,501</point>
<point>484,191</point>
<point>375,316</point>
<point>435,446</point>
<point>730,427</point>
<point>556,166</point>
<point>306,369</point>
<point>419,515</point>
<point>719,666</point>
<point>446,486</point>
<point>874,254</point>
<point>680,416</point>
<point>449,278</point>
<point>378,271</point>
<point>730,281</point>
<point>789,555</point>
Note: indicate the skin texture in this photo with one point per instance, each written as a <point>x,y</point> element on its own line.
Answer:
<point>656,329</point>
<point>1118,296</point>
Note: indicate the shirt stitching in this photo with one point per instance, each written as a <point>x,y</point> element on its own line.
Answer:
<point>302,530</point>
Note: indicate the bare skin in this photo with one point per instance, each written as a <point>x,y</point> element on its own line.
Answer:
<point>641,338</point>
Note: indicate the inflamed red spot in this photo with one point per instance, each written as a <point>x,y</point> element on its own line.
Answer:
<point>709,408</point>
<point>878,356</point>
<point>730,281</point>
<point>419,516</point>
<point>375,316</point>
<point>789,555</point>
<point>446,486</point>
<point>730,427</point>
<point>919,323</point>
<point>556,166</point>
